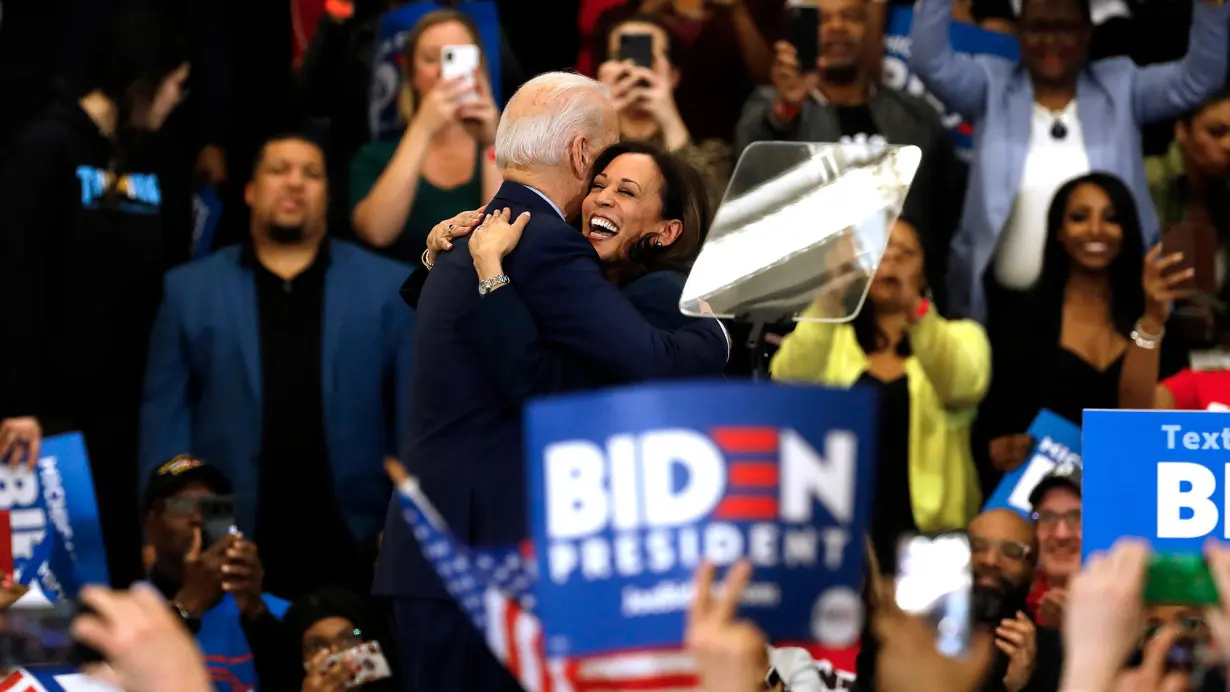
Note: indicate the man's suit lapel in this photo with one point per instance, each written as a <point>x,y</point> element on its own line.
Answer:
<point>242,297</point>
<point>337,297</point>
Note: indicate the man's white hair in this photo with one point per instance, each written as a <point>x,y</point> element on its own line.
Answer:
<point>545,115</point>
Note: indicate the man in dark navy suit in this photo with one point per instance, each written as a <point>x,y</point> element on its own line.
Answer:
<point>464,442</point>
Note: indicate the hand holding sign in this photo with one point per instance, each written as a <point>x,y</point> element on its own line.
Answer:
<point>1010,451</point>
<point>730,654</point>
<point>1104,614</point>
<point>20,439</point>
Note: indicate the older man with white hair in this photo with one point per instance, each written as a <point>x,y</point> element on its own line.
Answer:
<point>464,440</point>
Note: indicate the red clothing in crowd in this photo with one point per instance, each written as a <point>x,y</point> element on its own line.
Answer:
<point>1035,598</point>
<point>587,20</point>
<point>1200,391</point>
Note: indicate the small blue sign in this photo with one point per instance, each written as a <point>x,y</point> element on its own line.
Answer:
<point>395,27</point>
<point>1160,475</point>
<point>968,39</point>
<point>206,213</point>
<point>1057,442</point>
<point>55,533</point>
<point>629,490</point>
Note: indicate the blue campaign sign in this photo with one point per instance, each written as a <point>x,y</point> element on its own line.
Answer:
<point>206,213</point>
<point>1058,442</point>
<point>630,489</point>
<point>1161,475</point>
<point>383,116</point>
<point>56,538</point>
<point>964,38</point>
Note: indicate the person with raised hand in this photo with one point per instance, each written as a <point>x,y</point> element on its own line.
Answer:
<point>730,654</point>
<point>445,159</point>
<point>1102,621</point>
<point>146,647</point>
<point>909,661</point>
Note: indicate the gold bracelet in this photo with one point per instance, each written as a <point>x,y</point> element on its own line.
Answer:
<point>427,262</point>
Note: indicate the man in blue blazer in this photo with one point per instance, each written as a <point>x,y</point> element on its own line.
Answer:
<point>285,362</point>
<point>464,443</point>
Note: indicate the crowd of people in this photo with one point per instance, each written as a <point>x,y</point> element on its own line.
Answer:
<point>395,301</point>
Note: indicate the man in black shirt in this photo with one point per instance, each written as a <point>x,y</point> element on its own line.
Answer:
<point>286,362</point>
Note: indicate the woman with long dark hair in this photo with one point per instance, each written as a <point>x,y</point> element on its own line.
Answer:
<point>1061,346</point>
<point>646,215</point>
<point>930,372</point>
<point>81,261</point>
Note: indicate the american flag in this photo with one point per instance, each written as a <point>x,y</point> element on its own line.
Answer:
<point>495,588</point>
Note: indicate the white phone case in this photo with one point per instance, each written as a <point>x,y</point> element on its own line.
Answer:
<point>460,61</point>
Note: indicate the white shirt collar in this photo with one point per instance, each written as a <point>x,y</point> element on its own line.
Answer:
<point>548,199</point>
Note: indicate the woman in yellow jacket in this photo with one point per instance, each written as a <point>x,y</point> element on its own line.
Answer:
<point>931,374</point>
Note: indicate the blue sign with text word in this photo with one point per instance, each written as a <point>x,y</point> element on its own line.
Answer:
<point>56,538</point>
<point>1057,442</point>
<point>1160,475</point>
<point>629,490</point>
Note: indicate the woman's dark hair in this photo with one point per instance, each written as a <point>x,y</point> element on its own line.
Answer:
<point>129,63</point>
<point>684,197</point>
<point>131,60</point>
<point>334,602</point>
<point>1127,296</point>
<point>867,330</point>
<point>602,51</point>
<point>1215,99</point>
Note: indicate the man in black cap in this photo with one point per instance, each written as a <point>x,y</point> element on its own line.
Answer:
<point>1056,502</point>
<point>213,582</point>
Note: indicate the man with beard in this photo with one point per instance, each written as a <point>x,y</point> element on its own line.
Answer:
<point>285,363</point>
<point>1029,657</point>
<point>837,99</point>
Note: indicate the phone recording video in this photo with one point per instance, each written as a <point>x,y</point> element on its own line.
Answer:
<point>1198,243</point>
<point>934,582</point>
<point>637,48</point>
<point>217,519</point>
<point>370,661</point>
<point>803,32</point>
<point>461,61</point>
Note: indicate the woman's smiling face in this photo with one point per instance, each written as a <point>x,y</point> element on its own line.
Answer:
<point>624,205</point>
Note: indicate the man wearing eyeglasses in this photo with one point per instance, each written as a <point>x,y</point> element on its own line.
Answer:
<point>213,582</point>
<point>1057,524</point>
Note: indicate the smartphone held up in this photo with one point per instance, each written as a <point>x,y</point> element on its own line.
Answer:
<point>934,579</point>
<point>461,61</point>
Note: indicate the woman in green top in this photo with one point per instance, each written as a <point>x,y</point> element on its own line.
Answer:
<point>443,163</point>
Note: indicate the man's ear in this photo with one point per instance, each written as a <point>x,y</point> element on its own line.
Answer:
<point>578,155</point>
<point>248,194</point>
<point>675,76</point>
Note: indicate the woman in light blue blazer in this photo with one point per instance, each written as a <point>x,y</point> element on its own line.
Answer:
<point>1050,117</point>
